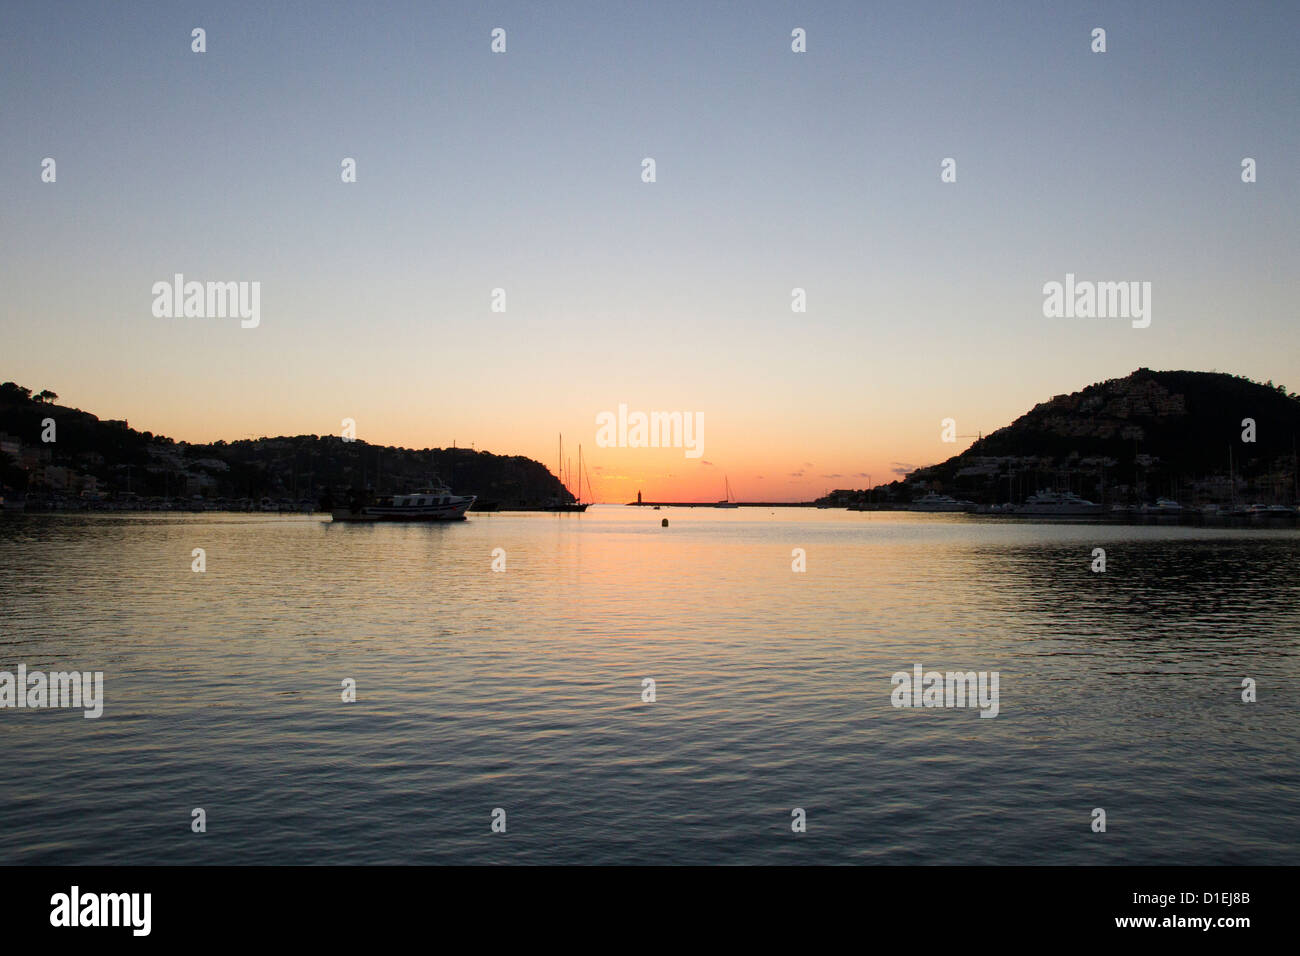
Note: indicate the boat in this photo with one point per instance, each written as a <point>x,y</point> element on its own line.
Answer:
<point>727,502</point>
<point>1163,506</point>
<point>1057,503</point>
<point>1267,514</point>
<point>435,503</point>
<point>934,502</point>
<point>572,504</point>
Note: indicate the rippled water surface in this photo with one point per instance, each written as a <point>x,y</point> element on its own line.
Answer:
<point>522,690</point>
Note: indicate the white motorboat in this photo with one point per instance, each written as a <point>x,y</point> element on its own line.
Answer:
<point>934,502</point>
<point>1058,503</point>
<point>432,504</point>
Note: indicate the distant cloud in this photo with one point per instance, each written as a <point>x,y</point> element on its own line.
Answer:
<point>807,464</point>
<point>709,463</point>
<point>796,474</point>
<point>832,476</point>
<point>902,467</point>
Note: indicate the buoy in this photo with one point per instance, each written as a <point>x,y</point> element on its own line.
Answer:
<point>664,523</point>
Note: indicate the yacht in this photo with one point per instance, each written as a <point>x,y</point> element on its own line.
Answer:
<point>1163,506</point>
<point>727,502</point>
<point>432,504</point>
<point>570,504</point>
<point>1058,503</point>
<point>933,502</point>
<point>1265,514</point>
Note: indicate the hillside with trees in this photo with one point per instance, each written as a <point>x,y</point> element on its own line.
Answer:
<point>1177,434</point>
<point>93,459</point>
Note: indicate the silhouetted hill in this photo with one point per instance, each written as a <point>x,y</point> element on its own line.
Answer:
<point>1130,439</point>
<point>109,458</point>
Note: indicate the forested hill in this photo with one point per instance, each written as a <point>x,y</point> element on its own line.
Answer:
<point>1134,438</point>
<point>89,455</point>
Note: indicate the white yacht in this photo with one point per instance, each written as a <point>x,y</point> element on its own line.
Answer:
<point>432,504</point>
<point>1267,514</point>
<point>1058,503</point>
<point>934,502</point>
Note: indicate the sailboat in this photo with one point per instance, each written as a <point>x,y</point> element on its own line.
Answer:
<point>576,504</point>
<point>727,502</point>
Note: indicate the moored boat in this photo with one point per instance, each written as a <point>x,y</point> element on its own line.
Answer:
<point>1058,504</point>
<point>432,504</point>
<point>727,502</point>
<point>571,504</point>
<point>1270,514</point>
<point>935,502</point>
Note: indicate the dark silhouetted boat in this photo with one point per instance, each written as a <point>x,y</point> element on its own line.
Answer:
<point>574,504</point>
<point>433,504</point>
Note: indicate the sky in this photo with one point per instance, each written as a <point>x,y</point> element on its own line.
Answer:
<point>522,171</point>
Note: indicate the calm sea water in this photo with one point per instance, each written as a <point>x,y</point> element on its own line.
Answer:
<point>522,690</point>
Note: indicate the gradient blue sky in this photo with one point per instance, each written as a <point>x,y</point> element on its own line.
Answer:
<point>522,170</point>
